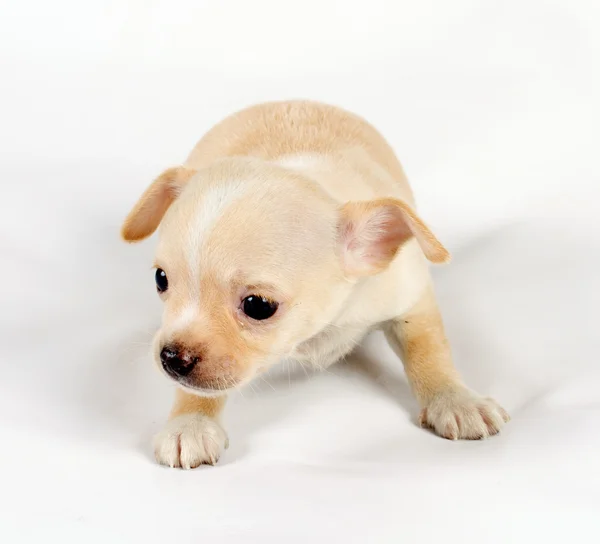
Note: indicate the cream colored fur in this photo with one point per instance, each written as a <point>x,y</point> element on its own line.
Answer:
<point>306,205</point>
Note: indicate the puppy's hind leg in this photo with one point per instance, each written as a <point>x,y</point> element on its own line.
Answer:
<point>447,405</point>
<point>193,435</point>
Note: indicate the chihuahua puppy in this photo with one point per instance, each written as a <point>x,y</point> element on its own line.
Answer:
<point>291,232</point>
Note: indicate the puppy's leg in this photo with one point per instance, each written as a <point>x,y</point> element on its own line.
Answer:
<point>448,406</point>
<point>193,435</point>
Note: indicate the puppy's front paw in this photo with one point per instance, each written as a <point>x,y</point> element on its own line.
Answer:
<point>190,440</point>
<point>461,414</point>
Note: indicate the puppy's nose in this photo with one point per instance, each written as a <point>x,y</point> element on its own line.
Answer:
<point>176,362</point>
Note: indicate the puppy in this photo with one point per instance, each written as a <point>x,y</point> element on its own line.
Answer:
<point>291,232</point>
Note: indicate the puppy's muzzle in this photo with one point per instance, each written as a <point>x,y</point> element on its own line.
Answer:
<point>176,362</point>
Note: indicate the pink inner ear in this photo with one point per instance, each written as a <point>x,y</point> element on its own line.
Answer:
<point>371,239</point>
<point>383,233</point>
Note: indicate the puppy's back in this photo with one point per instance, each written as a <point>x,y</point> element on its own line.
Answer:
<point>280,131</point>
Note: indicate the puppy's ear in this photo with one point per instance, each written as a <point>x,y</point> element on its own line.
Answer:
<point>146,215</point>
<point>372,232</point>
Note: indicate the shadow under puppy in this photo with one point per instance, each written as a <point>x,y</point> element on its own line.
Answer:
<point>291,232</point>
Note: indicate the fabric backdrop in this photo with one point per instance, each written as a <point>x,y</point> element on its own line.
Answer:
<point>493,109</point>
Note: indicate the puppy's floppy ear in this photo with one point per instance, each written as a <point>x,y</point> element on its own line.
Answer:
<point>152,205</point>
<point>370,234</point>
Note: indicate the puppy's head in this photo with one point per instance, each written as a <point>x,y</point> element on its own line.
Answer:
<point>253,260</point>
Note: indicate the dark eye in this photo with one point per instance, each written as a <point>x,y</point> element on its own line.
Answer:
<point>259,308</point>
<point>162,283</point>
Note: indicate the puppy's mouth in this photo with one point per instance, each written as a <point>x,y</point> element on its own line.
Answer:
<point>203,391</point>
<point>206,387</point>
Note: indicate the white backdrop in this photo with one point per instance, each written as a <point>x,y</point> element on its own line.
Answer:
<point>493,109</point>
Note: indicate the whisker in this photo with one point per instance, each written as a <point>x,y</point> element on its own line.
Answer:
<point>270,385</point>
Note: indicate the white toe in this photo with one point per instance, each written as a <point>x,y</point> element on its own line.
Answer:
<point>190,440</point>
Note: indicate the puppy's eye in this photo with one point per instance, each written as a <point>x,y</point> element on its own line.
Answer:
<point>162,283</point>
<point>259,308</point>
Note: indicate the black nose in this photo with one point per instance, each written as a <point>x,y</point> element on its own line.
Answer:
<point>177,362</point>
